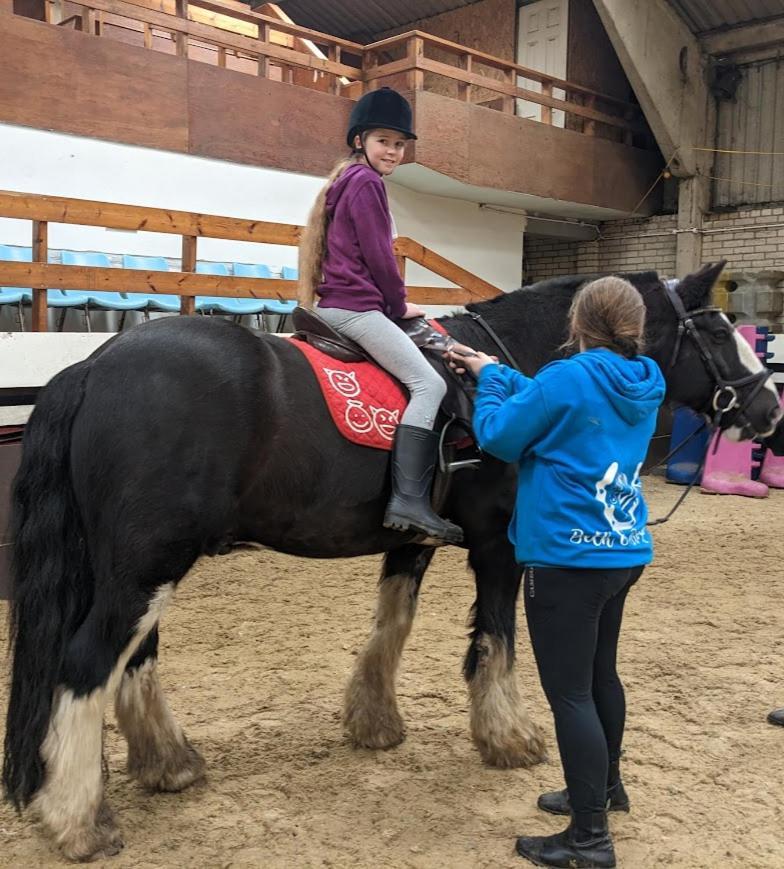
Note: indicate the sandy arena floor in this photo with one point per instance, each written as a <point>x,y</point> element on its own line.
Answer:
<point>258,647</point>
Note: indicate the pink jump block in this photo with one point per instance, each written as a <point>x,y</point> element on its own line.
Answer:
<point>728,466</point>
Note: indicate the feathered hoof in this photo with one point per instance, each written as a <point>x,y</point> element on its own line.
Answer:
<point>172,773</point>
<point>373,727</point>
<point>518,748</point>
<point>99,842</point>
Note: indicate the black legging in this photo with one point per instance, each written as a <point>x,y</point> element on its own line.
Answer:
<point>574,618</point>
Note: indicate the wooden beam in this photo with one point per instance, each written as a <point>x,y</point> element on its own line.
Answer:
<point>744,38</point>
<point>394,67</point>
<point>181,11</point>
<point>40,254</point>
<point>84,212</point>
<point>188,303</point>
<point>415,51</point>
<point>263,64</point>
<point>463,88</point>
<point>19,274</point>
<point>429,259</point>
<point>52,275</point>
<point>547,112</point>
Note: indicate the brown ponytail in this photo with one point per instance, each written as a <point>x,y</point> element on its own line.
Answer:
<point>312,246</point>
<point>608,312</point>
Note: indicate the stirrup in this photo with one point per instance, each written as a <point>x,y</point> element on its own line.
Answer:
<point>450,467</point>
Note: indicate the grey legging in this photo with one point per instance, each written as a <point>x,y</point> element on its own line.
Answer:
<point>397,353</point>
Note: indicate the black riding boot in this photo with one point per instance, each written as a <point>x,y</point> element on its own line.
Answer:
<point>557,802</point>
<point>584,844</point>
<point>414,457</point>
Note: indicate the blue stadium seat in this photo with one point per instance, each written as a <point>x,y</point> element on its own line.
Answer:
<point>106,301</point>
<point>282,308</point>
<point>16,296</point>
<point>162,302</point>
<point>223,304</point>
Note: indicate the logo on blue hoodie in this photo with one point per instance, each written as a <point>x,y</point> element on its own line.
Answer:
<point>620,500</point>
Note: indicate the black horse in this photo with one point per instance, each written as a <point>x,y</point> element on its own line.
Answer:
<point>185,435</point>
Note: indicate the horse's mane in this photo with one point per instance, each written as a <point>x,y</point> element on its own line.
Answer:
<point>563,287</point>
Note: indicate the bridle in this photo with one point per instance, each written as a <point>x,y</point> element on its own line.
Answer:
<point>725,396</point>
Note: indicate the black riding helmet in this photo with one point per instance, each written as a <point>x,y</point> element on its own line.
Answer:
<point>381,109</point>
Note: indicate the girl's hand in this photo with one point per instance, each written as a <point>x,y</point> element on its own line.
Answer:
<point>412,311</point>
<point>473,363</point>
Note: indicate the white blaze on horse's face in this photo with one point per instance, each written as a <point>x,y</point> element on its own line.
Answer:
<point>752,363</point>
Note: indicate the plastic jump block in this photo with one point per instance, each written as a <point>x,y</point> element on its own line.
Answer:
<point>684,465</point>
<point>728,465</point>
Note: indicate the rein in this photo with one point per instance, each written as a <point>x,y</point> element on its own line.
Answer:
<point>479,320</point>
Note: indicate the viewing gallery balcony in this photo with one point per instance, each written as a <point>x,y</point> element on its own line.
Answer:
<point>215,79</point>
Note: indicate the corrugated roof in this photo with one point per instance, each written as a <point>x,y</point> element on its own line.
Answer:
<point>360,19</point>
<point>706,15</point>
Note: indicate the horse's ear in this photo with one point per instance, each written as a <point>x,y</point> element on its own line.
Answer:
<point>695,288</point>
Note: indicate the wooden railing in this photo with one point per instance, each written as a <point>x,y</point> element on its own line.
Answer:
<point>41,275</point>
<point>212,30</point>
<point>473,70</point>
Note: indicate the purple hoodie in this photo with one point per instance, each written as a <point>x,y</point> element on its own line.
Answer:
<point>360,270</point>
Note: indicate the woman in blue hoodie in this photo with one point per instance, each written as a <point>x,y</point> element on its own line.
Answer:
<point>347,260</point>
<point>579,431</point>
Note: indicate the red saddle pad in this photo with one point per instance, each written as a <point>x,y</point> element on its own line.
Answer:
<point>365,402</point>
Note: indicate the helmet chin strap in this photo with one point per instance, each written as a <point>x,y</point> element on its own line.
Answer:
<point>361,150</point>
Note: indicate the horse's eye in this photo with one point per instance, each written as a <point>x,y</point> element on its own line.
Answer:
<point>721,335</point>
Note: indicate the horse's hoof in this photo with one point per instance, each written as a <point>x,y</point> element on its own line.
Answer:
<point>96,843</point>
<point>182,768</point>
<point>521,748</point>
<point>369,729</point>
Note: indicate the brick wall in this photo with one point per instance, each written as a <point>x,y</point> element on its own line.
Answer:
<point>742,237</point>
<point>624,246</point>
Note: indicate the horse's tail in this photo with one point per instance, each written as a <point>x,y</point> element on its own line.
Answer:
<point>52,578</point>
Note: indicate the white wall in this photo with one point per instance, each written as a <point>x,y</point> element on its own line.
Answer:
<point>38,161</point>
<point>486,242</point>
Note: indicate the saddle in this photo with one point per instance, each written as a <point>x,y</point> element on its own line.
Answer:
<point>456,408</point>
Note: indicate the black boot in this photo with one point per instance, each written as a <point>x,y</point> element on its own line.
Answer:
<point>413,466</point>
<point>557,802</point>
<point>776,717</point>
<point>584,844</point>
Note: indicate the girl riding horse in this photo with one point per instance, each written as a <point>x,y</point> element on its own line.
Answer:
<point>347,260</point>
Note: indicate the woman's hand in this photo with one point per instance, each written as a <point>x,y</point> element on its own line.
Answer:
<point>412,311</point>
<point>462,358</point>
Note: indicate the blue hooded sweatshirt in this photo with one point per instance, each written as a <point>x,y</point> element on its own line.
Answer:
<point>579,431</point>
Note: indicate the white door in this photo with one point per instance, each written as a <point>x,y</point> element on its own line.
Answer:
<point>541,45</point>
